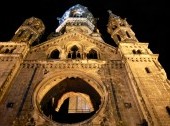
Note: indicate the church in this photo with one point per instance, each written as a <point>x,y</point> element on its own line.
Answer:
<point>75,78</point>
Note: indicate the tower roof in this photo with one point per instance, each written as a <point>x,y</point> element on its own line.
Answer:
<point>77,11</point>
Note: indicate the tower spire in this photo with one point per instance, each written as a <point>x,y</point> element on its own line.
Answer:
<point>119,29</point>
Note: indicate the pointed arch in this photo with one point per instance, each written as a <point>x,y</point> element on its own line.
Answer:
<point>139,51</point>
<point>74,52</point>
<point>128,35</point>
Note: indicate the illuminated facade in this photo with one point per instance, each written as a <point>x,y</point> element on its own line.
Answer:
<point>75,78</point>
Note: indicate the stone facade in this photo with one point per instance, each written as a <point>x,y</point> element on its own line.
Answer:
<point>75,78</point>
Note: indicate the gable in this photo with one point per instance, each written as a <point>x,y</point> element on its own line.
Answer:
<point>64,43</point>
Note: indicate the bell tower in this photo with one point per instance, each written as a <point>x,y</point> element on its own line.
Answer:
<point>119,29</point>
<point>30,31</point>
<point>148,78</point>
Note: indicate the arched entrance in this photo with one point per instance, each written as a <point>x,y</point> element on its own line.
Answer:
<point>66,99</point>
<point>72,100</point>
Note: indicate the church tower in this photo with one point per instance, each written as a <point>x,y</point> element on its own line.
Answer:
<point>30,31</point>
<point>76,79</point>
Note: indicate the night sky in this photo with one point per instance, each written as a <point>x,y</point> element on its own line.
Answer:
<point>149,19</point>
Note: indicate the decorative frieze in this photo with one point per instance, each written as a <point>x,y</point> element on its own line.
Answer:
<point>69,65</point>
<point>9,57</point>
<point>141,59</point>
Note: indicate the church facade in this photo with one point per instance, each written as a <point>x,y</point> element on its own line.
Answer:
<point>76,79</point>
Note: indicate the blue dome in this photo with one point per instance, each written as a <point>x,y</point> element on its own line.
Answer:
<point>77,11</point>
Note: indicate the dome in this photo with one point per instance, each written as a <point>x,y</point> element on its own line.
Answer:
<point>77,11</point>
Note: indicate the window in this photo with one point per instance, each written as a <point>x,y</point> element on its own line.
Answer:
<point>139,52</point>
<point>134,51</point>
<point>118,37</point>
<point>55,54</point>
<point>11,50</point>
<point>128,34</point>
<point>69,55</point>
<point>147,70</point>
<point>168,109</point>
<point>10,105</point>
<point>74,53</point>
<point>7,51</point>
<point>20,33</point>
<point>92,54</point>
<point>74,50</point>
<point>29,38</point>
<point>78,55</point>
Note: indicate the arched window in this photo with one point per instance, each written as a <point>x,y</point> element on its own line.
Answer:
<point>74,50</point>
<point>134,51</point>
<point>74,53</point>
<point>139,52</point>
<point>55,54</point>
<point>92,54</point>
<point>128,34</point>
<point>7,51</point>
<point>20,33</point>
<point>11,51</point>
<point>147,70</point>
<point>118,37</point>
<point>30,36</point>
<point>69,55</point>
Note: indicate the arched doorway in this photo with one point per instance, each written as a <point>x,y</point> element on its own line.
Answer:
<point>71,101</point>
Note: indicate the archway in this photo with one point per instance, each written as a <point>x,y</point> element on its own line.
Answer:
<point>60,105</point>
<point>55,54</point>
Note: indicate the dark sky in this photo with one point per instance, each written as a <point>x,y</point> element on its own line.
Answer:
<point>149,19</point>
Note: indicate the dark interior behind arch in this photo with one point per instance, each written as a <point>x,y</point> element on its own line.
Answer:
<point>69,85</point>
